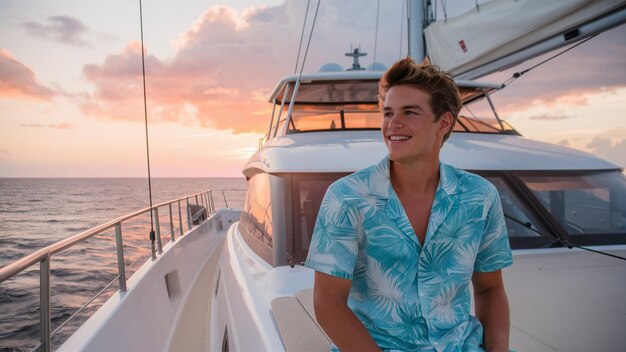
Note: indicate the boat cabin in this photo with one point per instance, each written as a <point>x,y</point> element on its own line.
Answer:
<point>551,195</point>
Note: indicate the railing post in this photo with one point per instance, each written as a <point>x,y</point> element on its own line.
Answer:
<point>171,223</point>
<point>120,257</point>
<point>158,230</point>
<point>205,204</point>
<point>44,303</point>
<point>189,224</point>
<point>212,201</point>
<point>225,201</point>
<point>180,219</point>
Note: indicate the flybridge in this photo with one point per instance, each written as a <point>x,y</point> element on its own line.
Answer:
<point>348,100</point>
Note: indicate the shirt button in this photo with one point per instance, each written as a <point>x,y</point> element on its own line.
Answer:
<point>421,294</point>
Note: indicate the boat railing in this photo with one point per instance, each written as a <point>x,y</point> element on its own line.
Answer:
<point>204,206</point>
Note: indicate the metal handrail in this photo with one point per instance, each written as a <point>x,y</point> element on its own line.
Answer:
<point>43,255</point>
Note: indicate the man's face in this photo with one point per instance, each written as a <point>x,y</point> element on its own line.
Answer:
<point>409,127</point>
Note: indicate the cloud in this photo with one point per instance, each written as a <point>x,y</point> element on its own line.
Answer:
<point>564,142</point>
<point>18,80</point>
<point>31,125</point>
<point>228,62</point>
<point>61,126</point>
<point>550,117</point>
<point>606,148</point>
<point>63,29</point>
<point>569,77</point>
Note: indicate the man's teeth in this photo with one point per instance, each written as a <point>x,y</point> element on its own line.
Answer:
<point>398,138</point>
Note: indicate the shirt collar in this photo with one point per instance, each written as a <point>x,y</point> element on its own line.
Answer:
<point>379,182</point>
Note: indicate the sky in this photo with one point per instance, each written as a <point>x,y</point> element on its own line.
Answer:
<point>71,99</point>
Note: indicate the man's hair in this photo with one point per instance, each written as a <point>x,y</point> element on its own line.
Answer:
<point>444,94</point>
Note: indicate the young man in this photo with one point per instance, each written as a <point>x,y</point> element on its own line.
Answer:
<point>396,245</point>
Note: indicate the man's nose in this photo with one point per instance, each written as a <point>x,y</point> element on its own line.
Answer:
<point>397,120</point>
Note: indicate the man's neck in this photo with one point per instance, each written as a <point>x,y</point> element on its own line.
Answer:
<point>415,179</point>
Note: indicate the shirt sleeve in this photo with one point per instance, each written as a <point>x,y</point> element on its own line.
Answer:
<point>334,244</point>
<point>494,252</point>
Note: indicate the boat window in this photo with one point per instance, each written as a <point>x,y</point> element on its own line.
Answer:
<point>308,193</point>
<point>587,204</point>
<point>256,218</point>
<point>308,118</point>
<point>524,228</point>
<point>323,92</point>
<point>482,125</point>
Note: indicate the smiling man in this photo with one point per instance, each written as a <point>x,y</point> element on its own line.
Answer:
<point>396,245</point>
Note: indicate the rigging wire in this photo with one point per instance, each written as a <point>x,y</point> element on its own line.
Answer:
<point>290,257</point>
<point>445,10</point>
<point>401,28</point>
<point>517,75</point>
<point>145,112</point>
<point>376,35</point>
<point>561,241</point>
<point>306,52</point>
<point>306,15</point>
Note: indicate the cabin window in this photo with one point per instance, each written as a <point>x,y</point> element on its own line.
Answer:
<point>256,218</point>
<point>591,204</point>
<point>308,192</point>
<point>309,118</point>
<point>524,228</point>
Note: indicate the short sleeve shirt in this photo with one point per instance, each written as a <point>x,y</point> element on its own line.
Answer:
<point>411,296</point>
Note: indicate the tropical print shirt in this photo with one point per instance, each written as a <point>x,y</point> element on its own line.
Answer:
<point>411,297</point>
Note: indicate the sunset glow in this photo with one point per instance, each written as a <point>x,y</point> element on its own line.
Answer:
<point>71,88</point>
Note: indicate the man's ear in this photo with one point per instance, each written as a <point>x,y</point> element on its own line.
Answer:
<point>445,123</point>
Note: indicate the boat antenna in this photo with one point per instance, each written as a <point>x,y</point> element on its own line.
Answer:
<point>145,113</point>
<point>306,15</point>
<point>376,35</point>
<point>517,75</point>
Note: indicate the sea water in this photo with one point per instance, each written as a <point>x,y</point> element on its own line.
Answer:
<point>35,213</point>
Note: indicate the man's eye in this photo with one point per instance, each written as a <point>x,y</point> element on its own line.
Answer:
<point>410,113</point>
<point>388,115</point>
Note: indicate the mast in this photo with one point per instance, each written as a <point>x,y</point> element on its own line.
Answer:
<point>419,16</point>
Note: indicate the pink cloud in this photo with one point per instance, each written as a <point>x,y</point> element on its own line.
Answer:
<point>61,125</point>
<point>549,117</point>
<point>18,80</point>
<point>228,61</point>
<point>226,65</point>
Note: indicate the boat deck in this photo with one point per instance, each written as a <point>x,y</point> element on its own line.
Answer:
<point>191,331</point>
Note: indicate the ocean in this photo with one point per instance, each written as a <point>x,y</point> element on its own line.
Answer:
<point>36,212</point>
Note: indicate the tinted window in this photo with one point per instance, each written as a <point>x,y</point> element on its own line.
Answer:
<point>308,193</point>
<point>256,218</point>
<point>583,204</point>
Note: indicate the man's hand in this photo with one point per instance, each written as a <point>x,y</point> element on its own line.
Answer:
<point>492,309</point>
<point>330,299</point>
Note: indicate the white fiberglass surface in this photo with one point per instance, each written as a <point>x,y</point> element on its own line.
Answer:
<point>336,151</point>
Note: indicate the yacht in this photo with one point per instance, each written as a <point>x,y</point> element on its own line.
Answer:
<point>250,290</point>
<point>236,281</point>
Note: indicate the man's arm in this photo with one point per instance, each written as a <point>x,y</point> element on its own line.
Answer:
<point>492,309</point>
<point>330,299</point>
